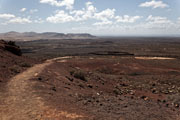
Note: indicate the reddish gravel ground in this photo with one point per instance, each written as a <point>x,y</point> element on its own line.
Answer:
<point>89,88</point>
<point>112,88</point>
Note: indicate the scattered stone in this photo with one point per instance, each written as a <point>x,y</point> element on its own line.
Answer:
<point>164,101</point>
<point>70,79</point>
<point>108,100</point>
<point>123,84</point>
<point>165,92</point>
<point>50,93</point>
<point>67,88</point>
<point>176,105</point>
<point>80,85</point>
<point>144,97</point>
<point>85,102</point>
<point>132,92</point>
<point>97,101</point>
<point>158,100</point>
<point>116,92</point>
<point>167,105</point>
<point>80,75</point>
<point>170,91</point>
<point>90,86</point>
<point>40,79</point>
<point>101,92</point>
<point>89,101</point>
<point>76,94</point>
<point>36,74</point>
<point>53,88</point>
<point>173,86</point>
<point>154,91</point>
<point>125,106</point>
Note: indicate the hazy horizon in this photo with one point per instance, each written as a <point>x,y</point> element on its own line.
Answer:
<point>99,35</point>
<point>100,17</point>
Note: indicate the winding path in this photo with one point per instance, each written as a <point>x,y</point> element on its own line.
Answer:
<point>21,103</point>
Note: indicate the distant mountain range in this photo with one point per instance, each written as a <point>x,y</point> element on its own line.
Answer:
<point>28,36</point>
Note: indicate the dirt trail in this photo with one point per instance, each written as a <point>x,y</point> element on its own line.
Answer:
<point>21,103</point>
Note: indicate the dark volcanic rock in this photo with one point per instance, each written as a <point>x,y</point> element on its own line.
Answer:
<point>11,47</point>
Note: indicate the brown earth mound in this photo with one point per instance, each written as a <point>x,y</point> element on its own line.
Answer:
<point>11,60</point>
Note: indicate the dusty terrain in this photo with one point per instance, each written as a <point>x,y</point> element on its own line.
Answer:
<point>133,81</point>
<point>147,46</point>
<point>130,90</point>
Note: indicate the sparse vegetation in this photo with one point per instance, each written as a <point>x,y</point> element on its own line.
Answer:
<point>105,70</point>
<point>15,69</point>
<point>79,75</point>
<point>26,65</point>
<point>72,72</point>
<point>11,43</point>
<point>134,74</point>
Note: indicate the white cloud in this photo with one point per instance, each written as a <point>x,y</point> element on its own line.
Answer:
<point>105,17</point>
<point>90,7</point>
<point>39,20</point>
<point>10,18</point>
<point>143,28</point>
<point>178,23</point>
<point>104,22</point>
<point>67,3</point>
<point>78,12</point>
<point>60,17</point>
<point>23,9</point>
<point>179,19</point>
<point>154,4</point>
<point>85,13</point>
<point>7,16</point>
<point>127,18</point>
<point>156,23</point>
<point>33,11</point>
<point>105,14</point>
<point>90,11</point>
<point>75,15</point>
<point>19,20</point>
<point>158,20</point>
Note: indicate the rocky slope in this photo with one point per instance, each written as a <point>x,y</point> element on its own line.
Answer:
<point>11,60</point>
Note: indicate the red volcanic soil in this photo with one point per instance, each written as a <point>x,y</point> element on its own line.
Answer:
<point>112,88</point>
<point>88,87</point>
<point>11,61</point>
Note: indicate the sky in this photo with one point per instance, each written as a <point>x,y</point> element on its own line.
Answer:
<point>97,17</point>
